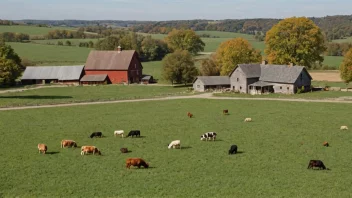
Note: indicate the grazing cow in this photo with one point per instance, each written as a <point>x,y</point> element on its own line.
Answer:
<point>208,136</point>
<point>124,150</point>
<point>316,163</point>
<point>248,120</point>
<point>225,112</point>
<point>233,149</point>
<point>343,128</point>
<point>90,149</point>
<point>134,133</point>
<point>326,144</point>
<point>96,134</point>
<point>42,148</point>
<point>175,144</point>
<point>68,143</point>
<point>119,132</point>
<point>189,115</point>
<point>136,162</point>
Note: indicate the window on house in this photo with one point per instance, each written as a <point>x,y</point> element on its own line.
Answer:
<point>288,88</point>
<point>198,86</point>
<point>280,87</point>
<point>240,87</point>
<point>135,65</point>
<point>238,79</point>
<point>233,87</point>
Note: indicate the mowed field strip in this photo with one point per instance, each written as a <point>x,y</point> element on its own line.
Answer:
<point>274,150</point>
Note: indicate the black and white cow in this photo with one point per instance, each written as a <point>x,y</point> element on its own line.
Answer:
<point>208,136</point>
<point>96,134</point>
<point>134,133</point>
<point>233,150</point>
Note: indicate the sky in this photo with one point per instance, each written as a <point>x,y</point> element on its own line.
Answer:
<point>162,10</point>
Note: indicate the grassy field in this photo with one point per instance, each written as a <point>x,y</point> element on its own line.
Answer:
<point>334,61</point>
<point>51,54</point>
<point>348,40</point>
<point>30,30</point>
<point>274,150</point>
<point>86,94</point>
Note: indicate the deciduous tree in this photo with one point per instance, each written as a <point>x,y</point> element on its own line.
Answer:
<point>10,65</point>
<point>346,67</point>
<point>209,67</point>
<point>295,40</point>
<point>234,52</point>
<point>178,67</point>
<point>185,40</point>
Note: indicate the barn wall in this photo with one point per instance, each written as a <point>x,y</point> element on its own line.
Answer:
<point>198,86</point>
<point>238,81</point>
<point>70,82</point>
<point>284,88</point>
<point>135,70</point>
<point>115,77</point>
<point>303,80</point>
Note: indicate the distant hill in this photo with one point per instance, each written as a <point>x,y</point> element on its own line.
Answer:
<point>335,27</point>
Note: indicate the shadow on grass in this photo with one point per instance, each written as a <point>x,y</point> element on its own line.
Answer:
<point>137,137</point>
<point>36,97</point>
<point>185,147</point>
<point>52,153</point>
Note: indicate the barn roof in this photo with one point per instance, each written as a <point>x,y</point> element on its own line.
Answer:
<point>281,73</point>
<point>94,78</point>
<point>250,70</point>
<point>109,60</point>
<point>53,73</point>
<point>214,80</point>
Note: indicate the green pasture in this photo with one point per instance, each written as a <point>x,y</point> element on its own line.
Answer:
<point>345,40</point>
<point>334,61</point>
<point>274,150</point>
<point>76,94</point>
<point>30,30</point>
<point>51,54</point>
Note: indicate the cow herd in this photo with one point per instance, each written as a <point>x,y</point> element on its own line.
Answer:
<point>176,144</point>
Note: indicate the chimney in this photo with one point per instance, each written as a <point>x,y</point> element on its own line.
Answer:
<point>291,65</point>
<point>119,49</point>
<point>264,62</point>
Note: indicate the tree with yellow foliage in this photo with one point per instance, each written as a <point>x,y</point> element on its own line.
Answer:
<point>234,52</point>
<point>295,40</point>
<point>185,40</point>
<point>346,67</point>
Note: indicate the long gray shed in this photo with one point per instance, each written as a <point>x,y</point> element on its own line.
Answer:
<point>202,83</point>
<point>52,74</point>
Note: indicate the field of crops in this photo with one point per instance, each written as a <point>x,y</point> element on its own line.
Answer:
<point>30,30</point>
<point>86,94</point>
<point>274,150</point>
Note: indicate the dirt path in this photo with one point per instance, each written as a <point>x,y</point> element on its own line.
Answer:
<point>200,96</point>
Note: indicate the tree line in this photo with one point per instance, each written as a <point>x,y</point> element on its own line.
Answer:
<point>7,22</point>
<point>337,49</point>
<point>14,37</point>
<point>68,34</point>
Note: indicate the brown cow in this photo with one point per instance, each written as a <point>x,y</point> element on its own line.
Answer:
<point>189,115</point>
<point>136,162</point>
<point>89,149</point>
<point>42,148</point>
<point>124,150</point>
<point>68,143</point>
<point>225,112</point>
<point>326,144</point>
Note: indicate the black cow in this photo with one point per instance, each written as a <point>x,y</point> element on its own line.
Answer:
<point>124,150</point>
<point>96,134</point>
<point>316,163</point>
<point>134,133</point>
<point>233,150</point>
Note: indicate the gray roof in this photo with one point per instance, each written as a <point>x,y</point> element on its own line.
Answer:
<point>272,73</point>
<point>53,73</point>
<point>214,80</point>
<point>280,73</point>
<point>251,70</point>
<point>261,84</point>
<point>94,78</point>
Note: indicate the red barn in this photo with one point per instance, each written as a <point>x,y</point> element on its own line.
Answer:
<point>120,66</point>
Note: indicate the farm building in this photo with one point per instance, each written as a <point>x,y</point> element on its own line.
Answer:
<point>99,79</point>
<point>263,78</point>
<point>52,74</point>
<point>120,66</point>
<point>203,83</point>
<point>147,79</point>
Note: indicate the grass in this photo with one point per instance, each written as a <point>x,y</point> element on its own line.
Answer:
<point>153,68</point>
<point>317,95</point>
<point>51,54</point>
<point>345,40</point>
<point>274,150</point>
<point>334,61</point>
<point>30,30</point>
<point>85,94</point>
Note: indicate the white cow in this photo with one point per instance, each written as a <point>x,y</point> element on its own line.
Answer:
<point>174,144</point>
<point>343,127</point>
<point>119,132</point>
<point>248,120</point>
